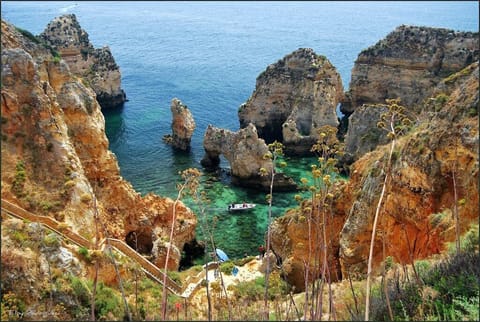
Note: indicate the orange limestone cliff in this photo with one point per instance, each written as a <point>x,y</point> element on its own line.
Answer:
<point>55,157</point>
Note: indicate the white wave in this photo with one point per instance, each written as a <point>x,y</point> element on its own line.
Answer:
<point>67,8</point>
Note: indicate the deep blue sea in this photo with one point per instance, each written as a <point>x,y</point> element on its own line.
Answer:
<point>208,54</point>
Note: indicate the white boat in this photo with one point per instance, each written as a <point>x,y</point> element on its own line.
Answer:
<point>240,206</point>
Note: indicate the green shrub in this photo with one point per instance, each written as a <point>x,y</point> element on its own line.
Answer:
<point>46,205</point>
<point>107,301</point>
<point>404,299</point>
<point>175,276</point>
<point>250,290</point>
<point>456,276</point>
<point>461,309</point>
<point>470,241</point>
<point>51,240</point>
<point>19,236</point>
<point>422,267</point>
<point>81,291</point>
<point>19,179</point>
<point>85,253</point>
<point>473,112</point>
<point>227,267</point>
<point>28,35</point>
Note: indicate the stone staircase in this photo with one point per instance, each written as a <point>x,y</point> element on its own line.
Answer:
<point>150,269</point>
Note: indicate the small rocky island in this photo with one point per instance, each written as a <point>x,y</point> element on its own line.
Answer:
<point>183,126</point>
<point>293,98</point>
<point>245,152</point>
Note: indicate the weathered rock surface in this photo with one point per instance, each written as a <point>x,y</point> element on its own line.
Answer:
<point>297,242</point>
<point>363,135</point>
<point>55,157</point>
<point>292,99</point>
<point>407,64</point>
<point>96,65</point>
<point>245,152</point>
<point>183,126</point>
<point>417,213</point>
<point>416,218</point>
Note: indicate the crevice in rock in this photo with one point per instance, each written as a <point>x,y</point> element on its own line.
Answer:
<point>140,240</point>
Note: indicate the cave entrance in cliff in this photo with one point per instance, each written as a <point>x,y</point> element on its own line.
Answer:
<point>192,251</point>
<point>141,241</point>
<point>272,132</point>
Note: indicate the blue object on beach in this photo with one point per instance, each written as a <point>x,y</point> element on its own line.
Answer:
<point>221,255</point>
<point>235,271</point>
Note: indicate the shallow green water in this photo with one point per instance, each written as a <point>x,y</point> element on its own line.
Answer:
<point>241,232</point>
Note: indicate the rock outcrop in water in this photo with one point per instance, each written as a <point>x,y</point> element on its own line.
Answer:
<point>55,157</point>
<point>245,152</point>
<point>183,126</point>
<point>407,64</point>
<point>292,99</point>
<point>95,65</point>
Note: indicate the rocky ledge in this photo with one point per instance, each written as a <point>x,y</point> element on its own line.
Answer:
<point>292,99</point>
<point>183,126</point>
<point>245,152</point>
<point>95,65</point>
<point>407,64</point>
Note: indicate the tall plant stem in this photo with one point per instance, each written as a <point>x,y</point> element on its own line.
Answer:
<point>455,205</point>
<point>267,272</point>
<point>167,257</point>
<point>374,228</point>
<point>95,278</point>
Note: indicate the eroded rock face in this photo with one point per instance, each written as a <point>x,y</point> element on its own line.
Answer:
<point>55,157</point>
<point>245,152</point>
<point>292,99</point>
<point>96,65</point>
<point>297,238</point>
<point>416,218</point>
<point>408,64</point>
<point>363,134</point>
<point>183,125</point>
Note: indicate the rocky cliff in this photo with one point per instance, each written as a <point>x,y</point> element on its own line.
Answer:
<point>431,70</point>
<point>96,66</point>
<point>292,99</point>
<point>436,158</point>
<point>431,163</point>
<point>407,64</point>
<point>183,126</point>
<point>55,157</point>
<point>245,152</point>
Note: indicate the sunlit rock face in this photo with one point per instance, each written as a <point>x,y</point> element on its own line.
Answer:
<point>293,98</point>
<point>95,65</point>
<point>407,64</point>
<point>55,157</point>
<point>246,153</point>
<point>436,158</point>
<point>183,125</point>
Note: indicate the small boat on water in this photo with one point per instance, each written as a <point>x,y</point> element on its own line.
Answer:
<point>240,206</point>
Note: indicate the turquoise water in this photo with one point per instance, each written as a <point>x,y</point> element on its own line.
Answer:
<point>208,54</point>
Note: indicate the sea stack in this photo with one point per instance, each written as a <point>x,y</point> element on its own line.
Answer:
<point>183,126</point>
<point>96,66</point>
<point>293,98</point>
<point>245,152</point>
